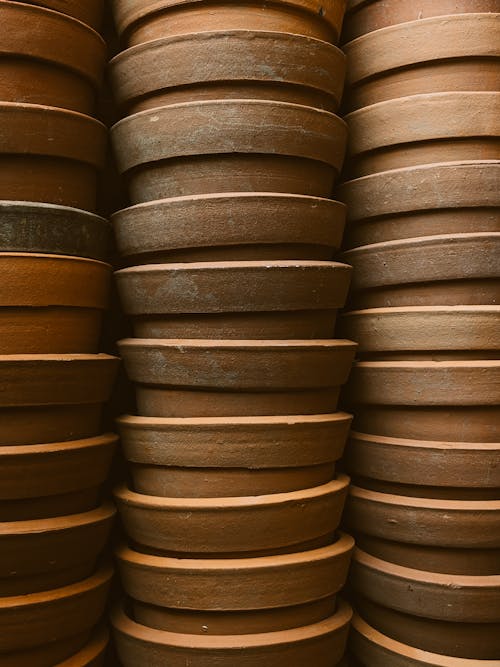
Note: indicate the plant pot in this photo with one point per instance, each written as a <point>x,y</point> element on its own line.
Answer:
<point>47,507</point>
<point>428,200</point>
<point>321,644</point>
<point>242,300</point>
<point>432,55</point>
<point>207,147</point>
<point>49,58</point>
<point>87,11</point>
<point>206,378</point>
<point>52,230</point>
<point>139,22</point>
<point>50,398</point>
<point>239,525</point>
<point>392,134</point>
<point>234,456</point>
<point>236,226</point>
<point>92,654</point>
<point>50,155</point>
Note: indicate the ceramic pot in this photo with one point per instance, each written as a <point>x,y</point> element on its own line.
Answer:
<point>429,200</point>
<point>56,161</point>
<point>242,300</point>
<point>245,524</point>
<point>206,147</point>
<point>235,456</point>
<point>236,226</point>
<point>92,654</point>
<point>87,11</point>
<point>50,398</point>
<point>52,230</point>
<point>433,55</point>
<point>321,644</point>
<point>206,378</point>
<point>49,58</point>
<point>393,134</point>
<point>138,22</point>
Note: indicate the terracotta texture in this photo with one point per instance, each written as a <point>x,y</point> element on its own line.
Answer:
<point>92,654</point>
<point>203,147</point>
<point>236,226</point>
<point>87,11</point>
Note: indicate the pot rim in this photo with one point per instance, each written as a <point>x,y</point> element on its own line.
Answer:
<point>419,503</point>
<point>426,444</point>
<point>153,423</point>
<point>167,267</point>
<point>229,344</point>
<point>66,446</point>
<point>92,650</point>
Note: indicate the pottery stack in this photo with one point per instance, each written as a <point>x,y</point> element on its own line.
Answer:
<point>423,236</point>
<point>54,522</point>
<point>230,147</point>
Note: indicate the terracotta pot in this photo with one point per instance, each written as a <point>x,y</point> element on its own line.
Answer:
<point>45,507</point>
<point>87,11</point>
<point>139,22</point>
<point>236,226</point>
<point>232,457</point>
<point>455,198</point>
<point>206,378</point>
<point>447,270</point>
<point>432,55</point>
<point>54,230</point>
<point>424,129</point>
<point>49,398</point>
<point>206,147</point>
<point>49,58</point>
<point>321,644</point>
<point>92,654</point>
<point>56,161</point>
<point>245,524</point>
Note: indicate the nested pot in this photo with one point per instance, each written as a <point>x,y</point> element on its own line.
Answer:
<point>423,129</point>
<point>138,21</point>
<point>50,155</point>
<point>428,200</point>
<point>242,226</point>
<point>93,653</point>
<point>211,378</point>
<point>242,300</point>
<point>322,644</point>
<point>51,304</point>
<point>274,523</point>
<point>50,398</point>
<point>212,147</point>
<point>234,456</point>
<point>86,11</point>
<point>459,52</point>
<point>49,58</point>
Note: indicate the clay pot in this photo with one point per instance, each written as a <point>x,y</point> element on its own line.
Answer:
<point>92,654</point>
<point>50,398</point>
<point>51,304</point>
<point>234,456</point>
<point>206,147</point>
<point>244,524</point>
<point>236,226</point>
<point>242,300</point>
<point>321,644</point>
<point>53,230</point>
<point>424,129</point>
<point>138,22</point>
<point>432,55</point>
<point>50,155</point>
<point>447,270</point>
<point>197,596</point>
<point>207,378</point>
<point>49,58</point>
<point>431,199</point>
<point>87,11</point>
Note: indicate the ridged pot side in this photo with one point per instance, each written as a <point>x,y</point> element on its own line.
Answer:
<point>87,11</point>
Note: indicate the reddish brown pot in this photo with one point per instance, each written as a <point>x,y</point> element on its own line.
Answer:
<point>205,147</point>
<point>206,378</point>
<point>92,654</point>
<point>321,644</point>
<point>56,161</point>
<point>87,11</point>
<point>139,22</point>
<point>423,129</point>
<point>234,456</point>
<point>236,226</point>
<point>49,58</point>
<point>455,198</point>
<point>245,524</point>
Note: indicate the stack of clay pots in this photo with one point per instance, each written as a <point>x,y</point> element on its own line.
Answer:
<point>230,148</point>
<point>54,522</point>
<point>424,240</point>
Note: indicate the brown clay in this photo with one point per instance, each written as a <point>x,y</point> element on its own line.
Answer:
<point>87,11</point>
<point>92,654</point>
<point>45,507</point>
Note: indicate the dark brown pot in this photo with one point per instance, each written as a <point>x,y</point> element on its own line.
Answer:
<point>93,653</point>
<point>87,11</point>
<point>236,226</point>
<point>50,155</point>
<point>205,147</point>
